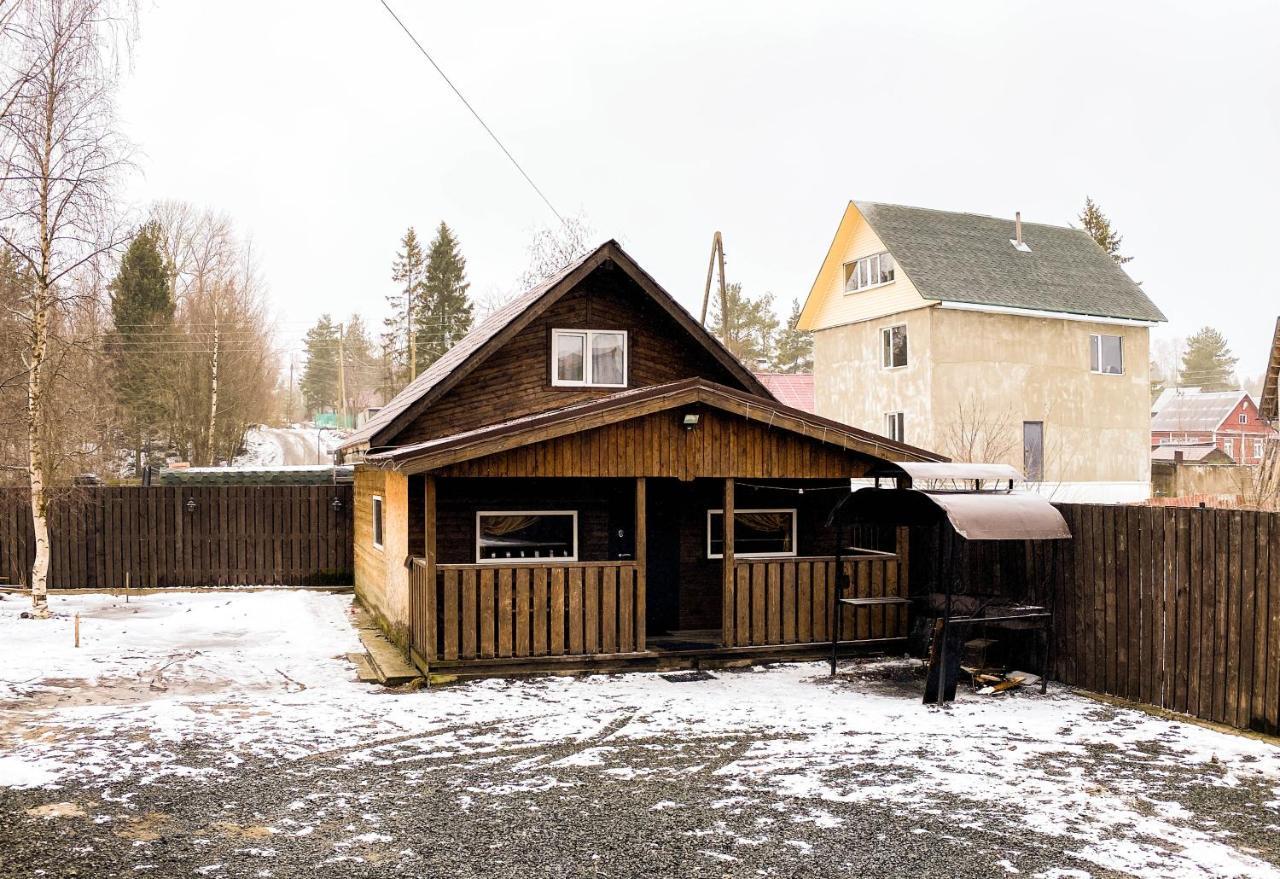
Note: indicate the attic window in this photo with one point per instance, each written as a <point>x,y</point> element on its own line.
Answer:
<point>870,271</point>
<point>589,358</point>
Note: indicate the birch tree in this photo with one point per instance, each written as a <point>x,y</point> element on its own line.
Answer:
<point>64,157</point>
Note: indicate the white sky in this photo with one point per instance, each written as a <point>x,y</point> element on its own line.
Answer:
<point>323,133</point>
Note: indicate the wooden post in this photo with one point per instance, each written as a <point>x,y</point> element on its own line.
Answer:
<point>77,630</point>
<point>429,553</point>
<point>727,608</point>
<point>642,552</point>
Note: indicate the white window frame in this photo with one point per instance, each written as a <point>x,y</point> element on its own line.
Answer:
<point>1259,448</point>
<point>795,521</point>
<point>1244,417</point>
<point>1229,446</point>
<point>379,520</point>
<point>551,560</point>
<point>858,264</point>
<point>1095,339</point>
<point>587,335</point>
<point>888,331</point>
<point>897,419</point>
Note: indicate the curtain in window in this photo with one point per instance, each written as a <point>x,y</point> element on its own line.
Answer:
<point>499,526</point>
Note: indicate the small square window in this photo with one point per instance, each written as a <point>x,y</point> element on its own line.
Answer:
<point>1106,354</point>
<point>1244,418</point>
<point>893,346</point>
<point>589,358</point>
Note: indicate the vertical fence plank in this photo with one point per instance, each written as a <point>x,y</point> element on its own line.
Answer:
<point>773,599</point>
<point>540,616</point>
<point>789,604</point>
<point>522,645</point>
<point>609,615</point>
<point>742,612</point>
<point>627,609</point>
<point>575,610</point>
<point>1273,629</point>
<point>555,619</point>
<point>804,603</point>
<point>1245,628</point>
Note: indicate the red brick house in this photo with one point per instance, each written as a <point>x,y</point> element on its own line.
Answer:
<point>1227,419</point>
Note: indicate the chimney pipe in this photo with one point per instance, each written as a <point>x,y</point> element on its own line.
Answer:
<point>1017,227</point>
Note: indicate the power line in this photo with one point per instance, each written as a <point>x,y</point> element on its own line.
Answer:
<point>467,104</point>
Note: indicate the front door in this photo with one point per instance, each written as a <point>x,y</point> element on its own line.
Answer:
<point>662,587</point>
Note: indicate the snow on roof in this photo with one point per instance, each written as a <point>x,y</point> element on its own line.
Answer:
<point>1190,452</point>
<point>1194,410</point>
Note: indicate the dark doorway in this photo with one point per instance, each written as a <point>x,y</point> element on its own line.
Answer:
<point>662,590</point>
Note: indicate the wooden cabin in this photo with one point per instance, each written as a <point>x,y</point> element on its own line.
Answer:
<point>552,493</point>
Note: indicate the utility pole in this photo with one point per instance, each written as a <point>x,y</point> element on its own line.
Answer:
<point>717,253</point>
<point>342,381</point>
<point>413,337</point>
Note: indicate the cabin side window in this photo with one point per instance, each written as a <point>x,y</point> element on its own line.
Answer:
<point>589,358</point>
<point>893,346</point>
<point>377,522</point>
<point>521,536</point>
<point>756,533</point>
<point>1106,354</point>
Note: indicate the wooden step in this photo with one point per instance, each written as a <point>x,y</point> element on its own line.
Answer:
<point>364,668</point>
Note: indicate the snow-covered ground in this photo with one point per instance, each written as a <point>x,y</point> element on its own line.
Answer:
<point>171,688</point>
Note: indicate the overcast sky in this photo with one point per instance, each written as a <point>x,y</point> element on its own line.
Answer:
<point>324,134</point>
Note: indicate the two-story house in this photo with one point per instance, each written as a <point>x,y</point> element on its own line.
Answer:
<point>1227,420</point>
<point>988,339</point>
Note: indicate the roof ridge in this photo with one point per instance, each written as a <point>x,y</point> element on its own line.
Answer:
<point>912,207</point>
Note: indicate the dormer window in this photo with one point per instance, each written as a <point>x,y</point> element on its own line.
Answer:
<point>870,271</point>
<point>589,358</point>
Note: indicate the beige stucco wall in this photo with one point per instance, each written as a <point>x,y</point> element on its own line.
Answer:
<point>851,386</point>
<point>382,581</point>
<point>1007,369</point>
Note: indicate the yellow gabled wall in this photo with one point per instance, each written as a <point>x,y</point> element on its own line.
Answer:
<point>828,305</point>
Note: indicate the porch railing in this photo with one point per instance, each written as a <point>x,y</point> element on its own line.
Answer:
<point>487,611</point>
<point>788,601</point>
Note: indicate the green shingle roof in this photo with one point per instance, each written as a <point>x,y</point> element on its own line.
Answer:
<point>968,258</point>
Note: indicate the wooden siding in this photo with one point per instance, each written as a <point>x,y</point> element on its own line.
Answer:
<point>381,579</point>
<point>484,612</point>
<point>722,445</point>
<point>237,535</point>
<point>788,601</point>
<point>516,379</point>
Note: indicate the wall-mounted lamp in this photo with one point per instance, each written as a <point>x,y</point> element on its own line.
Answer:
<point>690,420</point>
<point>336,503</point>
<point>191,505</point>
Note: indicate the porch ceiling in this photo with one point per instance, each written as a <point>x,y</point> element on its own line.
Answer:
<point>627,405</point>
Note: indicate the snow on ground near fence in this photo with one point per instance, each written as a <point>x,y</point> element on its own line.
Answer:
<point>263,674</point>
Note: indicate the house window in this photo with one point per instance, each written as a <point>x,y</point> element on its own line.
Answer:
<point>528,535</point>
<point>870,271</point>
<point>756,533</point>
<point>377,522</point>
<point>1229,446</point>
<point>893,346</point>
<point>1106,354</point>
<point>589,358</point>
<point>1244,418</point>
<point>1257,449</point>
<point>895,426</point>
<point>1033,450</point>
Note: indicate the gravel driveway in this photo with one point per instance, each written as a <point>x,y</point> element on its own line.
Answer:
<point>223,735</point>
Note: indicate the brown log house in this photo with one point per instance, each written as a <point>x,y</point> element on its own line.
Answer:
<point>552,493</point>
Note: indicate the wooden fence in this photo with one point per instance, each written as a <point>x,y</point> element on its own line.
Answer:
<point>236,535</point>
<point>1178,608</point>
<point>487,611</point>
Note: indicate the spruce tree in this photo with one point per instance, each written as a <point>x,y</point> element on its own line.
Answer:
<point>401,327</point>
<point>444,309</point>
<point>1100,230</point>
<point>794,349</point>
<point>140,345</point>
<point>320,375</point>
<point>1208,363</point>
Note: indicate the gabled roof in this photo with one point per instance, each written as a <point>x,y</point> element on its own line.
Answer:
<point>1269,405</point>
<point>1195,411</point>
<point>505,322</point>
<point>968,258</point>
<point>794,389</point>
<point>1191,452</point>
<point>624,405</point>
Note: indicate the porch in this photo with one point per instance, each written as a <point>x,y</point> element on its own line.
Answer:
<point>654,579</point>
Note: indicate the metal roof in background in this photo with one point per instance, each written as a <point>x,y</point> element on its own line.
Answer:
<point>957,257</point>
<point>1195,410</point>
<point>793,389</point>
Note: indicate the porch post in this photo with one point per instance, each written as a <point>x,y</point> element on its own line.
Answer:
<point>429,555</point>
<point>727,638</point>
<point>642,562</point>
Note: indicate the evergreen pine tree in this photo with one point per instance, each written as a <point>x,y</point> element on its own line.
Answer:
<point>138,348</point>
<point>1099,229</point>
<point>409,271</point>
<point>444,309</point>
<point>1208,363</point>
<point>362,364</point>
<point>750,328</point>
<point>320,375</point>
<point>794,349</point>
